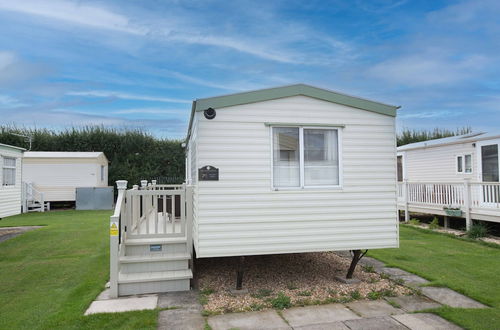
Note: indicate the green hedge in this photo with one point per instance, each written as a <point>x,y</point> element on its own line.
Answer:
<point>133,154</point>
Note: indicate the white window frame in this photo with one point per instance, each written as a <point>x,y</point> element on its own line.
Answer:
<point>9,167</point>
<point>463,164</point>
<point>302,186</point>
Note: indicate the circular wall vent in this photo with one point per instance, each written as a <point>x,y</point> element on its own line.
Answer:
<point>209,113</point>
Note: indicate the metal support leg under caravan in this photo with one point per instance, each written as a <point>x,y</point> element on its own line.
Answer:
<point>356,257</point>
<point>239,273</point>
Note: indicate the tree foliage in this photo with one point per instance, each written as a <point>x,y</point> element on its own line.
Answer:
<point>133,154</point>
<point>407,136</point>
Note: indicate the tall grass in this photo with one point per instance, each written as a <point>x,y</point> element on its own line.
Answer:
<point>133,154</point>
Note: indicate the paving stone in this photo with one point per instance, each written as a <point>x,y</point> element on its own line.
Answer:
<point>451,298</point>
<point>414,303</point>
<point>372,308</point>
<point>425,321</point>
<point>104,295</point>
<point>411,279</point>
<point>395,271</point>
<point>324,326</point>
<point>246,321</point>
<point>184,300</point>
<point>367,261</point>
<point>311,315</point>
<point>180,319</point>
<point>122,305</point>
<point>375,323</point>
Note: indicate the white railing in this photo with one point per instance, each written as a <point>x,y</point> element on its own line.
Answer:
<point>116,236</point>
<point>151,211</point>
<point>465,196</point>
<point>485,195</point>
<point>156,212</point>
<point>31,195</point>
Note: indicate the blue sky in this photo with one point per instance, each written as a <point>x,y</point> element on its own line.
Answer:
<point>141,63</point>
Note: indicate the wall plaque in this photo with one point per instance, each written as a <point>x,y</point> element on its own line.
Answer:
<point>208,173</point>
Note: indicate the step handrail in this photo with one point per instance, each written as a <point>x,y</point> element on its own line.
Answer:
<point>115,237</point>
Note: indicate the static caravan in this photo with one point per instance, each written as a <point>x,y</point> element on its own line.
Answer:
<point>283,170</point>
<point>11,178</point>
<point>457,175</point>
<point>58,174</point>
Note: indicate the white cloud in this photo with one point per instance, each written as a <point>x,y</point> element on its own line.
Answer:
<point>73,12</point>
<point>7,101</point>
<point>153,111</point>
<point>426,69</point>
<point>432,114</point>
<point>274,46</point>
<point>127,96</point>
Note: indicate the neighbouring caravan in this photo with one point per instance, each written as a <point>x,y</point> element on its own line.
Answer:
<point>58,174</point>
<point>455,176</point>
<point>10,180</point>
<point>282,170</point>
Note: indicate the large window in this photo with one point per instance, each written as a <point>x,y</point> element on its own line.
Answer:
<point>305,157</point>
<point>8,171</point>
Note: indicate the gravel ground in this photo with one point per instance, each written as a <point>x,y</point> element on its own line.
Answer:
<point>306,278</point>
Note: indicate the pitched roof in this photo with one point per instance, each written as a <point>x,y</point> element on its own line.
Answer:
<point>61,154</point>
<point>287,91</point>
<point>12,147</point>
<point>465,138</point>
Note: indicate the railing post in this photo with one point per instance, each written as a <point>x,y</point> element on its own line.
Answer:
<point>405,192</point>
<point>114,241</point>
<point>467,204</point>
<point>189,218</point>
<point>42,203</point>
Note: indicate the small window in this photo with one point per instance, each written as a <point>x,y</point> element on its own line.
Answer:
<point>400,168</point>
<point>102,172</point>
<point>9,171</point>
<point>464,164</point>
<point>460,164</point>
<point>468,163</point>
<point>305,157</point>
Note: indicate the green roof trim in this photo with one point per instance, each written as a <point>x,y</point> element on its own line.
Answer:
<point>294,90</point>
<point>287,91</point>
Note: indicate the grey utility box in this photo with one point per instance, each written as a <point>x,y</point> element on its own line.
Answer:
<point>94,198</point>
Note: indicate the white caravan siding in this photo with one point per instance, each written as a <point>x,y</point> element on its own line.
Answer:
<point>439,163</point>
<point>58,177</point>
<point>241,215</point>
<point>10,196</point>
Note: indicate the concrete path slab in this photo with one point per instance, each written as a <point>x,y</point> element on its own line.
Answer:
<point>104,295</point>
<point>324,326</point>
<point>367,261</point>
<point>185,300</point>
<point>414,303</point>
<point>311,315</point>
<point>122,305</point>
<point>451,298</point>
<point>180,319</point>
<point>248,321</point>
<point>395,271</point>
<point>425,321</point>
<point>373,308</point>
<point>375,323</point>
<point>411,279</point>
<point>10,232</point>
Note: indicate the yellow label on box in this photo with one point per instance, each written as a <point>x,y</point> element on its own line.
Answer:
<point>113,230</point>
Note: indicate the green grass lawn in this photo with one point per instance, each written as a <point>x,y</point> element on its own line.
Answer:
<point>49,276</point>
<point>467,267</point>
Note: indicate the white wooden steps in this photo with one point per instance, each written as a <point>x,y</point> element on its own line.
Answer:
<point>152,265</point>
